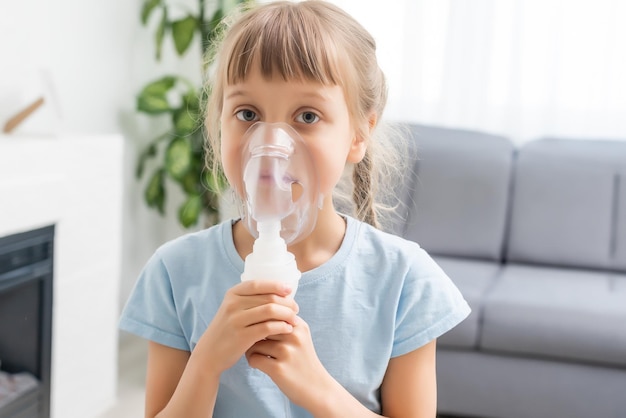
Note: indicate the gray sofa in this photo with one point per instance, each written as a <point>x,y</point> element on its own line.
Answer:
<point>535,238</point>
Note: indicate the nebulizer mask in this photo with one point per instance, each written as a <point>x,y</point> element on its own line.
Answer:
<point>282,199</point>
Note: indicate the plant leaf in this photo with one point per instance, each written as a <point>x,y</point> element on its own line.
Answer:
<point>147,9</point>
<point>178,158</point>
<point>215,184</point>
<point>161,86</point>
<point>215,21</point>
<point>189,212</point>
<point>152,104</point>
<point>155,191</point>
<point>153,98</point>
<point>190,183</point>
<point>160,34</point>
<point>197,143</point>
<point>183,31</point>
<point>149,152</point>
<point>183,158</point>
<point>191,99</point>
<point>185,122</point>
<point>187,119</point>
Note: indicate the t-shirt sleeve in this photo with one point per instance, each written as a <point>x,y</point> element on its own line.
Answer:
<point>150,311</point>
<point>430,305</point>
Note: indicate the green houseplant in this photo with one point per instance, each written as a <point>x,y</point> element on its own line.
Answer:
<point>179,153</point>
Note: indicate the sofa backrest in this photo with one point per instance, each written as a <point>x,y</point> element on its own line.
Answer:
<point>569,204</point>
<point>458,192</point>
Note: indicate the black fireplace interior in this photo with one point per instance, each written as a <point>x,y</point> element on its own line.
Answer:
<point>26,270</point>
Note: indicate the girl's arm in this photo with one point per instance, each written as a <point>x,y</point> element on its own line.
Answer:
<point>165,368</point>
<point>409,388</point>
<point>173,381</point>
<point>183,384</point>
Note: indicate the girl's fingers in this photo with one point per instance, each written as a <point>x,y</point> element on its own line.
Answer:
<point>268,320</point>
<point>269,312</point>
<point>262,287</point>
<point>250,295</point>
<point>276,337</point>
<point>265,348</point>
<point>261,362</point>
<point>265,355</point>
<point>260,331</point>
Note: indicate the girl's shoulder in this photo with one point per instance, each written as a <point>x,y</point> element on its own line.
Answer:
<point>196,241</point>
<point>367,235</point>
<point>199,250</point>
<point>200,258</point>
<point>410,280</point>
<point>390,249</point>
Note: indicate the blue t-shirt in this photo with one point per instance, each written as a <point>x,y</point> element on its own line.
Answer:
<point>378,297</point>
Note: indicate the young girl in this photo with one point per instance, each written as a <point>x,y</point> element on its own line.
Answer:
<point>358,339</point>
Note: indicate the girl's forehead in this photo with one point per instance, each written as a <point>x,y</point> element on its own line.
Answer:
<point>257,86</point>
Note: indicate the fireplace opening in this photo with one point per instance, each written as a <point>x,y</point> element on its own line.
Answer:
<point>26,274</point>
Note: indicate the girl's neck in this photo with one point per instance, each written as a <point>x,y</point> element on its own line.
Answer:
<point>311,252</point>
<point>322,243</point>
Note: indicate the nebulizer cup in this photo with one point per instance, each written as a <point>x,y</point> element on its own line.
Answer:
<point>282,199</point>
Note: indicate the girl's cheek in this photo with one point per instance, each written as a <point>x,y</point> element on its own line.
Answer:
<point>227,160</point>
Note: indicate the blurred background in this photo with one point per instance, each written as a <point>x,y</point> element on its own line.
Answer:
<point>523,69</point>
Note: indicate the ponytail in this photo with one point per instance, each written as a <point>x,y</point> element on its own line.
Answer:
<point>363,192</point>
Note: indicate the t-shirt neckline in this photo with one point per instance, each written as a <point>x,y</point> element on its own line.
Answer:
<point>336,261</point>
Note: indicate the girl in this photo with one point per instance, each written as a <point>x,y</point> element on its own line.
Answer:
<point>359,338</point>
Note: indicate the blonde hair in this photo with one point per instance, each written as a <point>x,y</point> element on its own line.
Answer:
<point>313,41</point>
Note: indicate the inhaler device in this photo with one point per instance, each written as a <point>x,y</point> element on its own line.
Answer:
<point>282,199</point>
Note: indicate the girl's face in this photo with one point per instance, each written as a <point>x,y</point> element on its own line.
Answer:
<point>318,112</point>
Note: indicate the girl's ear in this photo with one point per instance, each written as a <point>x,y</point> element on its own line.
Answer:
<point>359,143</point>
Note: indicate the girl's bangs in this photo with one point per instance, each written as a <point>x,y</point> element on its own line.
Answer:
<point>287,45</point>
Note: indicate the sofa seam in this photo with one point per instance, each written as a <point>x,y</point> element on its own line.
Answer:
<point>497,277</point>
<point>508,223</point>
<point>614,219</point>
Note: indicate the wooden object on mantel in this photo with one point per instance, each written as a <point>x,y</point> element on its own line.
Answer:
<point>20,116</point>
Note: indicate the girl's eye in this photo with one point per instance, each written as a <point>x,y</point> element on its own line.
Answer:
<point>307,117</point>
<point>246,115</point>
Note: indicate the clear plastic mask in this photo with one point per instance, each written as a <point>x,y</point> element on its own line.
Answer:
<point>280,180</point>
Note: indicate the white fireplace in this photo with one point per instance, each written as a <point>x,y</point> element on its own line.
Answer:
<point>75,183</point>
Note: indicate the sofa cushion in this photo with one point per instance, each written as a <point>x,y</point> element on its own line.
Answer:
<point>557,313</point>
<point>473,278</point>
<point>565,203</point>
<point>458,201</point>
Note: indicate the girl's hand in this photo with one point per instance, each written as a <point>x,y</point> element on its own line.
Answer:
<point>250,311</point>
<point>291,362</point>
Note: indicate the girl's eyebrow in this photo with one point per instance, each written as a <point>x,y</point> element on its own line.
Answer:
<point>314,95</point>
<point>235,93</point>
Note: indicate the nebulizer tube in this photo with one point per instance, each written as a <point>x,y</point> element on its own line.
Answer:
<point>282,198</point>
